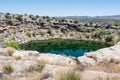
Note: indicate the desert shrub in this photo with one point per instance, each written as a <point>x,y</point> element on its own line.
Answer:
<point>8,69</point>
<point>57,31</point>
<point>37,16</point>
<point>70,76</point>
<point>7,16</point>
<point>31,68</point>
<point>52,34</point>
<point>17,57</point>
<point>117,24</point>
<point>12,44</point>
<point>28,34</point>
<point>10,50</point>
<point>71,34</point>
<point>45,76</point>
<point>40,66</point>
<point>19,17</point>
<point>48,20</point>
<point>118,39</point>
<point>47,17</point>
<point>34,34</point>
<point>43,17</point>
<point>112,60</point>
<point>109,38</point>
<point>42,33</point>
<point>49,31</point>
<point>76,21</point>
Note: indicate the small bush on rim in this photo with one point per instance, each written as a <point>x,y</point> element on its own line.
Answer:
<point>8,69</point>
<point>12,44</point>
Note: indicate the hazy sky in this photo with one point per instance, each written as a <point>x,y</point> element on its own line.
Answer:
<point>62,7</point>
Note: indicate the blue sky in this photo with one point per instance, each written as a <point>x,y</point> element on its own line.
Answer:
<point>62,7</point>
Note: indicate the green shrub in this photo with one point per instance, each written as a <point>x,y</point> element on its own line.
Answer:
<point>118,39</point>
<point>70,76</point>
<point>34,34</point>
<point>7,16</point>
<point>117,24</point>
<point>8,69</point>
<point>49,31</point>
<point>28,34</point>
<point>42,33</point>
<point>19,18</point>
<point>12,44</point>
<point>37,16</point>
<point>76,21</point>
<point>71,34</point>
<point>109,38</point>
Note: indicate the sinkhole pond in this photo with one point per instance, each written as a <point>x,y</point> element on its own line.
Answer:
<point>66,47</point>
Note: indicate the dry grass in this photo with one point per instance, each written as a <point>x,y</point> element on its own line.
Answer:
<point>107,78</point>
<point>8,69</point>
<point>67,75</point>
<point>106,67</point>
<point>10,50</point>
<point>17,57</point>
<point>40,66</point>
<point>33,76</point>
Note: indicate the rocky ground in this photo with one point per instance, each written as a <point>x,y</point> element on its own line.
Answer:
<point>103,64</point>
<point>24,28</point>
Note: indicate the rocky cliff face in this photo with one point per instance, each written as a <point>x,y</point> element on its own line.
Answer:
<point>32,65</point>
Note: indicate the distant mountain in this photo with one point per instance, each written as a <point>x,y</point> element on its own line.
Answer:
<point>88,17</point>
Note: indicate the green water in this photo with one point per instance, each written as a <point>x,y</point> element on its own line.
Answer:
<point>67,47</point>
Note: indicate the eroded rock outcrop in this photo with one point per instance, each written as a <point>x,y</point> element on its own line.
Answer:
<point>111,54</point>
<point>26,53</point>
<point>57,59</point>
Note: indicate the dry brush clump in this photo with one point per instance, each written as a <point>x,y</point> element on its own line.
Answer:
<point>106,67</point>
<point>17,57</point>
<point>10,50</point>
<point>8,69</point>
<point>40,66</point>
<point>70,75</point>
<point>45,76</point>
